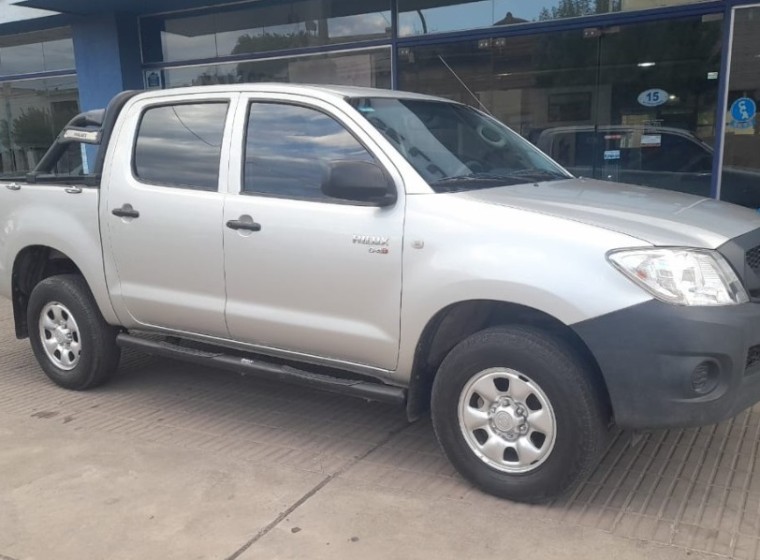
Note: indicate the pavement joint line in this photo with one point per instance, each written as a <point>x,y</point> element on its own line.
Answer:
<point>624,445</point>
<point>640,479</point>
<point>693,480</point>
<point>713,475</point>
<point>728,489</point>
<point>306,497</point>
<point>660,476</point>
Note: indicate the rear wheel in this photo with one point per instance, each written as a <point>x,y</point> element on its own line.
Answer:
<point>72,342</point>
<point>518,414</point>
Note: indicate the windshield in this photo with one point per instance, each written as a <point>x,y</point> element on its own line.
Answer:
<point>457,148</point>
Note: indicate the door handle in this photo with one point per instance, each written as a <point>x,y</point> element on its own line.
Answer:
<point>243,225</point>
<point>126,211</point>
<point>13,187</point>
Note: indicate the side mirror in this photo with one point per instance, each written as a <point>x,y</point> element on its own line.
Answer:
<point>359,181</point>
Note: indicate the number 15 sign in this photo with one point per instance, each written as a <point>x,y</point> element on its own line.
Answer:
<point>653,97</point>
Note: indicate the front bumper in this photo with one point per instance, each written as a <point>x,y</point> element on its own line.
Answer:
<point>648,355</point>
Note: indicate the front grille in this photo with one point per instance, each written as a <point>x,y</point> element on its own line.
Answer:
<point>753,259</point>
<point>753,356</point>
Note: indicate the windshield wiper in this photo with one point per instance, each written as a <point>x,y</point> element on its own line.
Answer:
<point>474,181</point>
<point>515,177</point>
<point>490,180</point>
<point>540,174</point>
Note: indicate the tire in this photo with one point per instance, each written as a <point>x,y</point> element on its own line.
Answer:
<point>72,342</point>
<point>518,414</point>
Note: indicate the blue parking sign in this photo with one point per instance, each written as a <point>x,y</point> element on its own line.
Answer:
<point>743,109</point>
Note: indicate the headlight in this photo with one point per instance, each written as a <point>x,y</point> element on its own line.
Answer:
<point>682,276</point>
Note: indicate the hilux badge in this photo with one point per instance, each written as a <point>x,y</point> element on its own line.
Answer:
<point>371,240</point>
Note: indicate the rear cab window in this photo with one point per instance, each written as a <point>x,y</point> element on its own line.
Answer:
<point>179,145</point>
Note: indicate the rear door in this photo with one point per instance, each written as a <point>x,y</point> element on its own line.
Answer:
<point>321,277</point>
<point>163,212</point>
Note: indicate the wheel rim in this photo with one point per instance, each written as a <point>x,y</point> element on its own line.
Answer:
<point>507,420</point>
<point>60,337</point>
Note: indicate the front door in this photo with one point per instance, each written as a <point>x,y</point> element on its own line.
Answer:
<point>163,214</point>
<point>319,277</point>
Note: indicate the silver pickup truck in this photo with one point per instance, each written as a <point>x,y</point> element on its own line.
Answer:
<point>394,247</point>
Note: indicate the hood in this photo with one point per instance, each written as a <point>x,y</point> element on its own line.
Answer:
<point>655,216</point>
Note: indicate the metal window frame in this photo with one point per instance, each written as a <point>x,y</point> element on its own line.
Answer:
<point>39,75</point>
<point>270,55</point>
<point>725,81</point>
<point>217,61</point>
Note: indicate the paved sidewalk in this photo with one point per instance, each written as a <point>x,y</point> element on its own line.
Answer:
<point>174,461</point>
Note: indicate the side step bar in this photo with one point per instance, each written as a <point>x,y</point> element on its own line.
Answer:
<point>352,387</point>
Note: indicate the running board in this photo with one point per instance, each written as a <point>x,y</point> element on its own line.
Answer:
<point>352,387</point>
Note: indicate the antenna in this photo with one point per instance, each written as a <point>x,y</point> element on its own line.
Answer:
<point>475,97</point>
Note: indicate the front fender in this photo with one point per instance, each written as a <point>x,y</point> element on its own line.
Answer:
<point>459,250</point>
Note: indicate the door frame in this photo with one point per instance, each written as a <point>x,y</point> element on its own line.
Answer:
<point>732,6</point>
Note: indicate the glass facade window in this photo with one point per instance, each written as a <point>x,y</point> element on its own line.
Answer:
<point>370,68</point>
<point>420,17</point>
<point>609,107</point>
<point>32,112</point>
<point>265,28</point>
<point>41,51</point>
<point>181,145</point>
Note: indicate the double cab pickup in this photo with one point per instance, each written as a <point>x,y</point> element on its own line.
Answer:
<point>390,246</point>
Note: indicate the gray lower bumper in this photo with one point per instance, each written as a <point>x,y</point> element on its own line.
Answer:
<point>648,355</point>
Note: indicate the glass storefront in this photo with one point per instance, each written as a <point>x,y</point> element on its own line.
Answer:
<point>421,17</point>
<point>635,102</point>
<point>603,103</point>
<point>33,110</point>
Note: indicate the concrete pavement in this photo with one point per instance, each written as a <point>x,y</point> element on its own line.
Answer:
<point>174,461</point>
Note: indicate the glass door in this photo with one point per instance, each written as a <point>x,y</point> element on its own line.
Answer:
<point>740,175</point>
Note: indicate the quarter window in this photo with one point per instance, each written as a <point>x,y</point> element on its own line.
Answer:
<point>180,145</point>
<point>289,148</point>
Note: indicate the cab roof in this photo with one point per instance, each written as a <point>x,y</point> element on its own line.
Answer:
<point>338,91</point>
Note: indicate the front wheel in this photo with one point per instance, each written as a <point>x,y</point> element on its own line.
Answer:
<point>72,342</point>
<point>518,414</point>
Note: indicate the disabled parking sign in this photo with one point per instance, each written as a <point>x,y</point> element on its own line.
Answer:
<point>743,112</point>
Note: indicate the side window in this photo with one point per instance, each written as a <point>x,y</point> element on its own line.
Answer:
<point>289,147</point>
<point>67,167</point>
<point>180,145</point>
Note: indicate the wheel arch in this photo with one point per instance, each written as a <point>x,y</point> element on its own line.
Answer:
<point>457,321</point>
<point>31,266</point>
